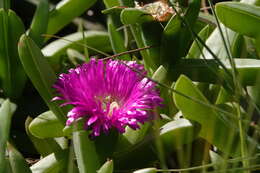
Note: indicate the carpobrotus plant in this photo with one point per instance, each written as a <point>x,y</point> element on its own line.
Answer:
<point>203,57</point>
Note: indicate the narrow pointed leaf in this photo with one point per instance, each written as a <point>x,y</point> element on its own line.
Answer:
<point>98,40</point>
<point>151,34</point>
<point>196,47</point>
<point>116,40</point>
<point>11,70</point>
<point>65,11</point>
<point>111,3</point>
<point>40,22</point>
<point>171,35</point>
<point>87,158</point>
<point>177,35</point>
<point>40,73</point>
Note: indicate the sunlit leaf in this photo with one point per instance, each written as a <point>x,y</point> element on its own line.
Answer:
<point>106,167</point>
<point>40,73</point>
<point>85,151</point>
<point>53,163</point>
<point>65,11</point>
<point>179,132</point>
<point>98,40</point>
<point>146,170</point>
<point>248,16</point>
<point>46,125</point>
<point>196,47</point>
<point>43,146</point>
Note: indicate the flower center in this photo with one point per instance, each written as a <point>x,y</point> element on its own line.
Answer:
<point>108,104</point>
<point>112,106</point>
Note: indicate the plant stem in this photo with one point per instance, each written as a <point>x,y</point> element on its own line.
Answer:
<point>243,144</point>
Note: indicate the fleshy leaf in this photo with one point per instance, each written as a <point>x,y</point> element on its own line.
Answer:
<point>46,125</point>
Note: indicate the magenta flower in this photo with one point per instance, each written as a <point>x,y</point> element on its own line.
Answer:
<point>108,94</point>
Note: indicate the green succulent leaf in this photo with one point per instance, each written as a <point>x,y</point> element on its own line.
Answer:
<point>196,47</point>
<point>135,136</point>
<point>160,74</point>
<point>87,157</point>
<point>146,170</point>
<point>11,70</point>
<point>17,162</point>
<point>107,167</point>
<point>248,15</point>
<point>40,22</point>
<point>43,146</point>
<point>6,111</point>
<point>133,16</point>
<point>127,3</point>
<point>179,132</point>
<point>46,125</point>
<point>97,42</point>
<point>53,163</point>
<point>116,40</point>
<point>111,3</point>
<point>195,108</point>
<point>208,71</point>
<point>40,73</point>
<point>65,11</point>
<point>177,34</point>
